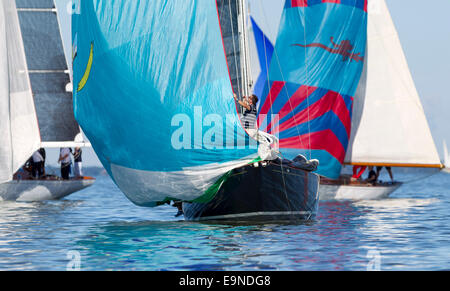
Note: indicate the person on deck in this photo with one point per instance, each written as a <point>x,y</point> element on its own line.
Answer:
<point>66,161</point>
<point>250,112</point>
<point>78,162</point>
<point>357,175</point>
<point>42,164</point>
<point>389,169</point>
<point>36,165</point>
<point>372,178</point>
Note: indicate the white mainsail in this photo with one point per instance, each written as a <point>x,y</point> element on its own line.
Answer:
<point>389,126</point>
<point>18,122</point>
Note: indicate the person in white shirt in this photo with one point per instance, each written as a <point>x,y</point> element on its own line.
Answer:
<point>66,162</point>
<point>36,165</point>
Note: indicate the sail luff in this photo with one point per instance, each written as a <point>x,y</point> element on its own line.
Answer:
<point>5,125</point>
<point>389,126</point>
<point>243,32</point>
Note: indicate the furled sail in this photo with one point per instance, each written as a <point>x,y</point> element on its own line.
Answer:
<point>389,123</point>
<point>19,133</point>
<point>314,71</point>
<point>48,71</point>
<point>154,97</point>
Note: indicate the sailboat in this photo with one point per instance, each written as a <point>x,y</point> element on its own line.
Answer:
<point>388,124</point>
<point>446,158</point>
<point>153,93</point>
<point>35,110</point>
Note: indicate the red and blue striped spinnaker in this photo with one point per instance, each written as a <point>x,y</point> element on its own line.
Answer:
<point>313,75</point>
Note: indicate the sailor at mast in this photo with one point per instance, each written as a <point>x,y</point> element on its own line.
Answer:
<point>250,112</point>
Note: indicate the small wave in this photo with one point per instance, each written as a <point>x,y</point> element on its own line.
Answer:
<point>400,203</point>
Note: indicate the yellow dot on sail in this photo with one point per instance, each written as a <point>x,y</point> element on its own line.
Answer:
<point>88,70</point>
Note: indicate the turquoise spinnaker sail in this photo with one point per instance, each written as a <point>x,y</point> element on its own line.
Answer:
<point>153,95</point>
<point>314,71</point>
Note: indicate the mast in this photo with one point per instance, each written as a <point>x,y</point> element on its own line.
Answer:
<point>244,44</point>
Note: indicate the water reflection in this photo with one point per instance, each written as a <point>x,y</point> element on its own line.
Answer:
<point>111,233</point>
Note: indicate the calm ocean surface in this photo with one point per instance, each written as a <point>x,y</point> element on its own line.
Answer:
<point>409,231</point>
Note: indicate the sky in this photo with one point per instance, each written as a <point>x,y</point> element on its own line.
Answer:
<point>424,30</point>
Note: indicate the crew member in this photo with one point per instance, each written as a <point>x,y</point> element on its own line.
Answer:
<point>250,112</point>
<point>36,165</point>
<point>389,169</point>
<point>78,162</point>
<point>66,161</point>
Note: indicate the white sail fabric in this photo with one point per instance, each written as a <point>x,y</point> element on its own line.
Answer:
<point>389,126</point>
<point>18,122</point>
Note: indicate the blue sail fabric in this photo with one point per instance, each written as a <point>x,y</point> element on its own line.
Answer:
<point>265,51</point>
<point>154,97</point>
<point>313,75</point>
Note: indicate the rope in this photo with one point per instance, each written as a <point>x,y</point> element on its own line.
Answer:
<point>284,80</point>
<point>307,87</point>
<point>238,76</point>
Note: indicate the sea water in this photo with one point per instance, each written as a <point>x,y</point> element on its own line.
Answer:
<point>99,229</point>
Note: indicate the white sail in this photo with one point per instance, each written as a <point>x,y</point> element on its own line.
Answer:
<point>18,122</point>
<point>389,123</point>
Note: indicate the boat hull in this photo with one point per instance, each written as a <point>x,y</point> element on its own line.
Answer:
<point>264,193</point>
<point>357,192</point>
<point>41,190</point>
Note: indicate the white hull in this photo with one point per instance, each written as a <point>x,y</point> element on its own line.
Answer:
<point>356,192</point>
<point>41,190</point>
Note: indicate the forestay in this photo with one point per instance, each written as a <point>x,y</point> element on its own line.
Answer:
<point>154,97</point>
<point>389,124</point>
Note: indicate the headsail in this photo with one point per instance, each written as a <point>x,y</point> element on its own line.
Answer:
<point>313,75</point>
<point>48,70</point>
<point>389,123</point>
<point>18,127</point>
<point>154,96</point>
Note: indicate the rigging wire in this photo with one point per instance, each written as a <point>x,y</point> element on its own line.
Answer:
<point>307,85</point>
<point>238,75</point>
<point>275,53</point>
